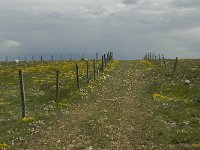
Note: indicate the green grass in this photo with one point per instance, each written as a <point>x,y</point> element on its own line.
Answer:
<point>180,110</point>
<point>39,80</point>
<point>118,110</point>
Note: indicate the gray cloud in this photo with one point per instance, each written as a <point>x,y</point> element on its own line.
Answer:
<point>130,1</point>
<point>186,3</point>
<point>74,27</point>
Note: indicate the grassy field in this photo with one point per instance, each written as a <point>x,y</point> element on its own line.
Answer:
<point>40,91</point>
<point>132,105</point>
<point>177,97</point>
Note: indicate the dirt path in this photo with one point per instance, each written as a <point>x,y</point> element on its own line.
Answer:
<point>117,115</point>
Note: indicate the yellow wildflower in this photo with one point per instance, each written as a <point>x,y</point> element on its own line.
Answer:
<point>157,96</point>
<point>149,64</point>
<point>4,146</point>
<point>27,119</point>
<point>195,145</point>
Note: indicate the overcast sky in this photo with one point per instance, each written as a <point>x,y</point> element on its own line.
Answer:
<point>129,28</point>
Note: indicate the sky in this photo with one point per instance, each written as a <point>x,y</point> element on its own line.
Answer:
<point>129,28</point>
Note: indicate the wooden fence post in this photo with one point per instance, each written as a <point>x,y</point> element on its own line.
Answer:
<point>6,58</point>
<point>102,64</point>
<point>164,60</point>
<point>104,58</point>
<point>111,55</point>
<point>57,84</point>
<point>52,58</point>
<point>77,77</point>
<point>21,80</point>
<point>97,55</point>
<point>88,72</point>
<point>159,59</point>
<point>41,59</point>
<point>94,70</point>
<point>175,64</point>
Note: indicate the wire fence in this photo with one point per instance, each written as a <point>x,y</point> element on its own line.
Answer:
<point>43,82</point>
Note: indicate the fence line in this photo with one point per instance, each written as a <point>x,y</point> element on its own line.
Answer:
<point>150,57</point>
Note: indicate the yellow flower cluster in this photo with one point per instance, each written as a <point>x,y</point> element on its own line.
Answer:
<point>4,146</point>
<point>196,146</point>
<point>157,96</point>
<point>149,64</point>
<point>27,119</point>
<point>62,104</point>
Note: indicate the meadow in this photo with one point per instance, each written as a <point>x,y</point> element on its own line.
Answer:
<point>176,94</point>
<point>141,104</point>
<point>40,92</point>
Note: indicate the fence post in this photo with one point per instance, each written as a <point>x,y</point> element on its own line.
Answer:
<point>77,77</point>
<point>94,70</point>
<point>164,60</point>
<point>88,72</point>
<point>97,55</point>
<point>104,57</point>
<point>175,65</point>
<point>57,84</point>
<point>52,58</point>
<point>111,54</point>
<point>102,64</point>
<point>21,80</point>
<point>108,56</point>
<point>159,58</point>
<point>6,58</point>
<point>41,59</point>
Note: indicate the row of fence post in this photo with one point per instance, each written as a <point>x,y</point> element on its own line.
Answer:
<point>161,60</point>
<point>51,58</point>
<point>104,62</point>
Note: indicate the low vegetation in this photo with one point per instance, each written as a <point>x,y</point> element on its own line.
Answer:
<point>177,101</point>
<point>140,104</point>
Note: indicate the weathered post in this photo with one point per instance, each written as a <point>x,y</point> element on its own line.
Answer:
<point>97,55</point>
<point>175,64</point>
<point>164,61</point>
<point>57,84</point>
<point>159,58</point>
<point>102,64</point>
<point>88,72</point>
<point>94,69</point>
<point>77,77</point>
<point>105,62</point>
<point>21,80</point>
<point>111,55</point>
<point>52,58</point>
<point>6,58</point>
<point>41,59</point>
<point>107,56</point>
